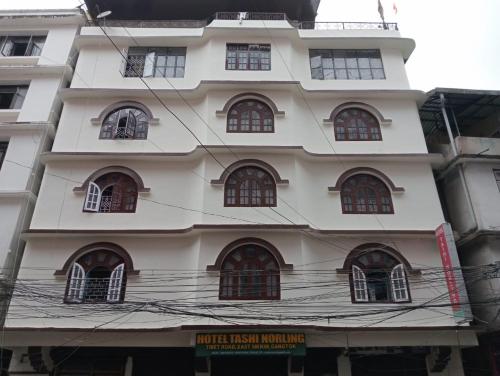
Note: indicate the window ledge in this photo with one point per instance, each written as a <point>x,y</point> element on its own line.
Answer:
<point>9,115</point>
<point>18,60</point>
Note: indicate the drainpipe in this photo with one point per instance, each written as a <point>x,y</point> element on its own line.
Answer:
<point>459,166</point>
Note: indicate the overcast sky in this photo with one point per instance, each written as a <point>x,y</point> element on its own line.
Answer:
<point>458,41</point>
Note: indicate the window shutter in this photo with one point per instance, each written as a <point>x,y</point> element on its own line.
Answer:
<point>93,198</point>
<point>76,283</point>
<point>29,47</point>
<point>115,284</point>
<point>359,284</point>
<point>7,47</point>
<point>398,284</point>
<point>149,65</point>
<point>124,64</point>
<point>131,123</point>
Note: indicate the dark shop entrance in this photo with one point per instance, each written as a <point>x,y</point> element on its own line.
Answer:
<point>241,365</point>
<point>404,364</point>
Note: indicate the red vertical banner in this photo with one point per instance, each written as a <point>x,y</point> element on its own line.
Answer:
<point>449,273</point>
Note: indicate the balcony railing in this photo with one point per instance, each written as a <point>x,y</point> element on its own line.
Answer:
<point>348,26</point>
<point>251,16</point>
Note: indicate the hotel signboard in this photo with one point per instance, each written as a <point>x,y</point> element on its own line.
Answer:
<point>453,274</point>
<point>208,344</point>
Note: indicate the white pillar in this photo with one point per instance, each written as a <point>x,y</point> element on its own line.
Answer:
<point>129,366</point>
<point>20,363</point>
<point>344,365</point>
<point>454,367</point>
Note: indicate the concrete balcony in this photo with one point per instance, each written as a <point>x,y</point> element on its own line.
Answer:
<point>473,147</point>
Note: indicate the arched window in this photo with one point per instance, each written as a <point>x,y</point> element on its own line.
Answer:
<point>378,277</point>
<point>365,194</point>
<point>250,186</point>
<point>125,123</point>
<point>250,116</point>
<point>356,124</point>
<point>250,272</point>
<point>97,277</point>
<point>114,192</point>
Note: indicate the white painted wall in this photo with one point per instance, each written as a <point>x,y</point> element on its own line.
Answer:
<point>186,184</point>
<point>161,260</point>
<point>183,181</point>
<point>99,63</point>
<point>302,125</point>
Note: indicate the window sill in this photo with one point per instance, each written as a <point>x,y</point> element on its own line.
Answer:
<point>8,115</point>
<point>18,60</point>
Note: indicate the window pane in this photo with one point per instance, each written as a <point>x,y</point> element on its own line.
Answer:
<point>353,74</point>
<point>315,62</point>
<point>378,74</point>
<point>341,74</point>
<point>348,64</point>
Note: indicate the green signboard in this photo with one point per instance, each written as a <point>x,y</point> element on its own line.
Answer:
<point>208,344</point>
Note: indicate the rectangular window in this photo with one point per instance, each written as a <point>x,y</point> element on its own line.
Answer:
<point>3,151</point>
<point>248,57</point>
<point>12,97</point>
<point>497,177</point>
<point>28,45</point>
<point>346,65</point>
<point>156,62</point>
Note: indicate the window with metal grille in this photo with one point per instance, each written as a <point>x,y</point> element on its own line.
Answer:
<point>248,57</point>
<point>346,65</point>
<point>125,123</point>
<point>12,97</point>
<point>250,186</point>
<point>155,62</point>
<point>3,151</point>
<point>111,193</point>
<point>496,173</point>
<point>365,194</point>
<point>378,277</point>
<point>250,272</point>
<point>355,124</point>
<point>250,116</point>
<point>97,277</point>
<point>28,45</point>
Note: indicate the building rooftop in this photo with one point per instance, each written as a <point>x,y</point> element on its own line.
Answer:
<point>466,108</point>
<point>298,10</point>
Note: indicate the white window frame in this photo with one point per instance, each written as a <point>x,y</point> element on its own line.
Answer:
<point>149,64</point>
<point>93,198</point>
<point>115,284</point>
<point>399,286</point>
<point>76,287</point>
<point>359,286</point>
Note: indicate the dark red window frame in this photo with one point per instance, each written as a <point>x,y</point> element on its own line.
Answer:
<point>365,194</point>
<point>250,116</point>
<point>250,272</point>
<point>111,128</point>
<point>356,124</point>
<point>381,264</point>
<point>124,193</point>
<point>256,57</point>
<point>104,259</point>
<point>250,186</point>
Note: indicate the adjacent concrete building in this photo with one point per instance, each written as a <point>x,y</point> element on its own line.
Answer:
<point>255,193</point>
<point>464,125</point>
<point>36,54</point>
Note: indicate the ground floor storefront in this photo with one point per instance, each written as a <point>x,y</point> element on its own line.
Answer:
<point>242,353</point>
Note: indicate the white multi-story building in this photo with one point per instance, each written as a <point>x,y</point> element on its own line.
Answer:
<point>36,48</point>
<point>253,186</point>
